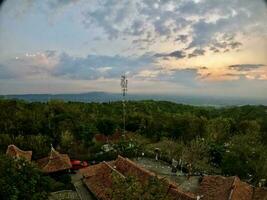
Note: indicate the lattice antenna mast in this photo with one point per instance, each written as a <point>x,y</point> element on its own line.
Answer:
<point>124,89</point>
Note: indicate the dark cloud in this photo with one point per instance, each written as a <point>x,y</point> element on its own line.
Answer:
<point>224,43</point>
<point>205,76</point>
<point>214,49</point>
<point>175,54</point>
<point>197,52</point>
<point>165,20</point>
<point>185,76</point>
<point>1,3</point>
<point>95,66</point>
<point>182,38</point>
<point>245,67</point>
<point>235,45</point>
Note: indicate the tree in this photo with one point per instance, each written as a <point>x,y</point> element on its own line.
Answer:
<point>220,129</point>
<point>106,126</point>
<point>20,180</point>
<point>245,157</point>
<point>196,155</point>
<point>130,188</point>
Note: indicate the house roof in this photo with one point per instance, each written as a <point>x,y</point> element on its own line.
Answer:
<point>112,138</point>
<point>259,193</point>
<point>216,187</point>
<point>54,162</point>
<point>241,190</point>
<point>15,152</point>
<point>98,178</point>
<point>229,188</point>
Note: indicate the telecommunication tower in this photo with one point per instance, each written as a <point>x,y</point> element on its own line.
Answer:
<point>124,89</point>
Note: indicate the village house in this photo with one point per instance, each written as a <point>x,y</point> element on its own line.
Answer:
<point>55,162</point>
<point>98,178</point>
<point>101,138</point>
<point>15,152</point>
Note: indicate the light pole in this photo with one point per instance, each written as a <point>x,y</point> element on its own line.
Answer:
<point>124,87</point>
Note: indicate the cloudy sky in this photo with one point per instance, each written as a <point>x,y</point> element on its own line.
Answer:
<point>179,47</point>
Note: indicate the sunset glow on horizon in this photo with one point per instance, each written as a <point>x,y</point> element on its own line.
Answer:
<point>190,47</point>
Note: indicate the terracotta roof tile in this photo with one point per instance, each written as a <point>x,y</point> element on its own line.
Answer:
<point>15,152</point>
<point>54,162</point>
<point>260,194</point>
<point>98,178</point>
<point>215,187</point>
<point>241,190</point>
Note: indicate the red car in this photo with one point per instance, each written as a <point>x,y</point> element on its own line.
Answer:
<point>77,164</point>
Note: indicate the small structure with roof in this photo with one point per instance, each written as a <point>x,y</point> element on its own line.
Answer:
<point>15,152</point>
<point>98,178</point>
<point>229,188</point>
<point>55,162</point>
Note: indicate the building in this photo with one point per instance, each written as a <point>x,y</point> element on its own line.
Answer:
<point>229,188</point>
<point>101,138</point>
<point>55,162</point>
<point>15,152</point>
<point>98,178</point>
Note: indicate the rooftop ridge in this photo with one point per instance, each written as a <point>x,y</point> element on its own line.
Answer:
<point>113,169</point>
<point>14,151</point>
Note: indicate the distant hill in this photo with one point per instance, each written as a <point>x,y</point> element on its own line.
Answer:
<point>108,97</point>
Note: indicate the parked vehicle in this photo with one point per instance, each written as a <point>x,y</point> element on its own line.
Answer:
<point>77,164</point>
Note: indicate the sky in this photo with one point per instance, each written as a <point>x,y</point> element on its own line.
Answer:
<point>178,47</point>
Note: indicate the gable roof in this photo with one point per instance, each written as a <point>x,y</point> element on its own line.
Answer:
<point>215,187</point>
<point>54,162</point>
<point>15,152</point>
<point>99,177</point>
<point>229,188</point>
<point>241,190</point>
<point>115,137</point>
<point>259,193</point>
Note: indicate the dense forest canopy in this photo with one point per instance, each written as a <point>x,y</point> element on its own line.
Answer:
<point>229,140</point>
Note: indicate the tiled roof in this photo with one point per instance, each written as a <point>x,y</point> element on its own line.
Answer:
<point>128,167</point>
<point>112,138</point>
<point>54,162</point>
<point>241,190</point>
<point>229,188</point>
<point>216,187</point>
<point>15,152</point>
<point>260,194</point>
<point>98,178</point>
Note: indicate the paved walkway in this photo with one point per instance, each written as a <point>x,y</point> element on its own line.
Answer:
<point>82,191</point>
<point>64,195</point>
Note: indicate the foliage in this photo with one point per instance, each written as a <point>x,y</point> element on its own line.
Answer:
<point>130,188</point>
<point>234,138</point>
<point>245,157</point>
<point>20,180</point>
<point>196,156</point>
<point>106,126</point>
